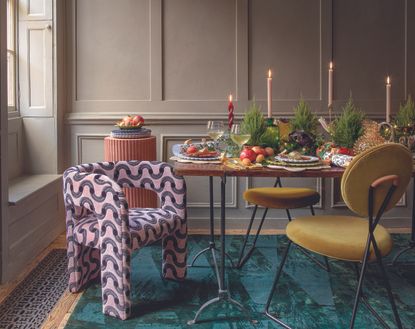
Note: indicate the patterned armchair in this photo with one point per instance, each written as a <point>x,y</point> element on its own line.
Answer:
<point>102,231</point>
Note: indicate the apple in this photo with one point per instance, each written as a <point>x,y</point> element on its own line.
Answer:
<point>248,154</point>
<point>269,151</point>
<point>137,120</point>
<point>191,149</point>
<point>258,150</point>
<point>246,162</point>
<point>260,158</point>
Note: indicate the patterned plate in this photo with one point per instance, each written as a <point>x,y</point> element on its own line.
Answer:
<point>305,159</point>
<point>177,152</point>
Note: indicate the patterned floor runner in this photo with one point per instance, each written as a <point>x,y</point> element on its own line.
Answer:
<point>31,301</point>
<point>308,296</point>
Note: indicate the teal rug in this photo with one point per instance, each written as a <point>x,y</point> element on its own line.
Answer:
<point>308,296</point>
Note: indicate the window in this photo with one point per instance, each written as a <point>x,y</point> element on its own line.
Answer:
<point>11,55</point>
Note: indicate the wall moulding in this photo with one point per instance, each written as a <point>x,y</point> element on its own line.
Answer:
<point>168,118</point>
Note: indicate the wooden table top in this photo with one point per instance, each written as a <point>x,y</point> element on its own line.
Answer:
<point>194,169</point>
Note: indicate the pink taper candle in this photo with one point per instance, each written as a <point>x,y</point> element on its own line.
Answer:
<point>230,112</point>
<point>269,93</point>
<point>388,99</point>
<point>330,86</point>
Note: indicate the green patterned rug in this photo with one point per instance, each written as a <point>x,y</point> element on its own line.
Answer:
<point>308,296</point>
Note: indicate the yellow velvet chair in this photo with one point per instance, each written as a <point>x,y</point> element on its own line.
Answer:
<point>373,183</point>
<point>276,197</point>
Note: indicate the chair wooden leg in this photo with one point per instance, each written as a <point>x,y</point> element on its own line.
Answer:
<point>274,286</point>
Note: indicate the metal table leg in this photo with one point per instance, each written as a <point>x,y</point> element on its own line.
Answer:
<point>223,292</point>
<point>412,242</point>
<point>212,247</point>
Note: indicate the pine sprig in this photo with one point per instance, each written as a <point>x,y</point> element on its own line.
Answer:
<point>406,114</point>
<point>253,123</point>
<point>304,119</point>
<point>348,127</point>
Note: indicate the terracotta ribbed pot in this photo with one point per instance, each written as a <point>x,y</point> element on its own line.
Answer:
<point>133,149</point>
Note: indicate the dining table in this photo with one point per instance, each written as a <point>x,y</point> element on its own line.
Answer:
<point>222,172</point>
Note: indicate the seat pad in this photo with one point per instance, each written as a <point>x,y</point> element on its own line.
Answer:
<point>282,197</point>
<point>147,225</point>
<point>341,237</point>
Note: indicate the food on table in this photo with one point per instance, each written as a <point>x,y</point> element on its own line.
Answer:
<point>269,151</point>
<point>248,153</point>
<point>246,162</point>
<point>199,150</point>
<point>260,158</point>
<point>131,122</point>
<point>294,155</point>
<point>259,150</point>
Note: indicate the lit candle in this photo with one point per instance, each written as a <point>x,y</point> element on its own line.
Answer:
<point>230,112</point>
<point>269,92</point>
<point>388,99</point>
<point>330,86</point>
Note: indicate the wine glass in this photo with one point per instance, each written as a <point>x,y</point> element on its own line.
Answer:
<point>238,136</point>
<point>215,129</point>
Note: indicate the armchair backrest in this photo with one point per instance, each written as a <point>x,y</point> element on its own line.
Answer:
<point>152,175</point>
<point>389,159</point>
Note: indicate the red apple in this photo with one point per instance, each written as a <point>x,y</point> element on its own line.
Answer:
<point>248,154</point>
<point>137,120</point>
<point>259,150</point>
<point>191,149</point>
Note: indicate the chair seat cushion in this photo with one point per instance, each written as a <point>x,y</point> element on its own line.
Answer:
<point>341,237</point>
<point>147,225</point>
<point>282,197</point>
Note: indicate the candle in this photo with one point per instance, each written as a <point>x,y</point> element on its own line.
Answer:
<point>269,93</point>
<point>330,86</point>
<point>230,112</point>
<point>388,99</point>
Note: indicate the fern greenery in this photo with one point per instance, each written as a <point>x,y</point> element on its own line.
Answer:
<point>253,123</point>
<point>304,119</point>
<point>348,127</point>
<point>406,114</point>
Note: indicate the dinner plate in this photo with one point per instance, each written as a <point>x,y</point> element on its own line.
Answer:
<point>305,159</point>
<point>176,149</point>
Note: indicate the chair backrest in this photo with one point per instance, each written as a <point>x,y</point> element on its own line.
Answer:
<point>153,175</point>
<point>376,162</point>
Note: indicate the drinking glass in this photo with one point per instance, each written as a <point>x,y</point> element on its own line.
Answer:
<point>238,136</point>
<point>215,129</point>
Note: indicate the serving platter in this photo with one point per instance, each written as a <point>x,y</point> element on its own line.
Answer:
<point>304,159</point>
<point>178,149</point>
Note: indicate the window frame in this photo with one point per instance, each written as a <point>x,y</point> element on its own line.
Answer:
<point>12,37</point>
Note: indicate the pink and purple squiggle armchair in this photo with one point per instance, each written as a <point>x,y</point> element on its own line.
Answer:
<point>102,232</point>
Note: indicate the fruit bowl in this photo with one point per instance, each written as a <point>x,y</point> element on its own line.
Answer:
<point>130,122</point>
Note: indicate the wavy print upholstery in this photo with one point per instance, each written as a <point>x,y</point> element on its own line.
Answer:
<point>102,231</point>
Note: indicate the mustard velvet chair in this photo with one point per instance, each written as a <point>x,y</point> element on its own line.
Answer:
<point>276,197</point>
<point>372,184</point>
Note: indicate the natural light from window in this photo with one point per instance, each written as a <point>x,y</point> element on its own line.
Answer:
<point>11,55</point>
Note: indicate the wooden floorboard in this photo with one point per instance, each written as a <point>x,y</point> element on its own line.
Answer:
<point>65,306</point>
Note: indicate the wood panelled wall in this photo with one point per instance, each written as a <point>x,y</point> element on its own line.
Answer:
<point>175,62</point>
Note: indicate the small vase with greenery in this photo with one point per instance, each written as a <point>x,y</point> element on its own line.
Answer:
<point>304,136</point>
<point>348,127</point>
<point>253,123</point>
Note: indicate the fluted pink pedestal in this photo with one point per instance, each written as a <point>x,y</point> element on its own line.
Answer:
<point>133,149</point>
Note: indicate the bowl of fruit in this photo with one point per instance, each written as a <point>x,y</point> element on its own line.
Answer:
<point>131,122</point>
